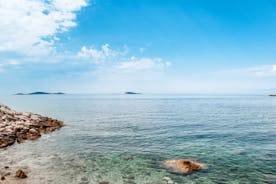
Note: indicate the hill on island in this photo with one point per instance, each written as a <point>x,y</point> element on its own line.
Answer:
<point>40,93</point>
<point>131,93</point>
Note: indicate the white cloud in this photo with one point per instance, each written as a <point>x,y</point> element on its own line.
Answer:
<point>8,63</point>
<point>119,59</point>
<point>12,62</point>
<point>135,63</point>
<point>264,71</point>
<point>101,55</point>
<point>259,71</point>
<point>30,26</point>
<point>98,55</point>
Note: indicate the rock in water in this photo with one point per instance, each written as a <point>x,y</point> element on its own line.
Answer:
<point>167,180</point>
<point>6,140</point>
<point>183,166</point>
<point>20,174</point>
<point>21,126</point>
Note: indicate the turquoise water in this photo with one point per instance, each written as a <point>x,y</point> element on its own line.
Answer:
<point>124,138</point>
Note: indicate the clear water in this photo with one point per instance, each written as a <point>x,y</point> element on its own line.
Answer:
<point>123,138</point>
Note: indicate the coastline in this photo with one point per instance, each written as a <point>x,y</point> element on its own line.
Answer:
<point>19,127</point>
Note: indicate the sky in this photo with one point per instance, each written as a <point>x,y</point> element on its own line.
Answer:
<point>148,46</point>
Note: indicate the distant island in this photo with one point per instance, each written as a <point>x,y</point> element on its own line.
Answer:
<point>131,93</point>
<point>40,93</point>
<point>272,95</point>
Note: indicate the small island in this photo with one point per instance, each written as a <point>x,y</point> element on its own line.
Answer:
<point>131,93</point>
<point>272,95</point>
<point>41,93</point>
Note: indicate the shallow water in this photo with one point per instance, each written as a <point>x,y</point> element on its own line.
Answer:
<point>124,138</point>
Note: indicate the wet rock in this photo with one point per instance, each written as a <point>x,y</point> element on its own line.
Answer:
<point>6,140</point>
<point>4,176</point>
<point>33,134</point>
<point>167,180</point>
<point>84,179</point>
<point>270,177</point>
<point>20,174</point>
<point>104,182</point>
<point>7,174</point>
<point>17,126</point>
<point>21,135</point>
<point>183,166</point>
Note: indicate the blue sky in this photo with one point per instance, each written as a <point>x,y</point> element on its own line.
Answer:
<point>112,46</point>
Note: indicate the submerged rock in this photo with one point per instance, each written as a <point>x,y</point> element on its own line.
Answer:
<point>5,175</point>
<point>21,126</point>
<point>183,166</point>
<point>20,174</point>
<point>167,180</point>
<point>104,182</point>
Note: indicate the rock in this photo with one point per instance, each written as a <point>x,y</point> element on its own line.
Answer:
<point>104,182</point>
<point>183,166</point>
<point>4,176</point>
<point>20,174</point>
<point>21,135</point>
<point>34,117</point>
<point>84,179</point>
<point>21,126</point>
<point>33,134</point>
<point>6,167</point>
<point>167,180</point>
<point>7,174</point>
<point>27,114</point>
<point>6,140</point>
<point>33,131</point>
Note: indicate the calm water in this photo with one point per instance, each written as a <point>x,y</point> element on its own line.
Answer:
<point>123,138</point>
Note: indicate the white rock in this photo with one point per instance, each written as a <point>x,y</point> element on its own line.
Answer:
<point>33,131</point>
<point>27,114</point>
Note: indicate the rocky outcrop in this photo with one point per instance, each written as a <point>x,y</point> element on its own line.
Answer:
<point>20,174</point>
<point>183,166</point>
<point>21,126</point>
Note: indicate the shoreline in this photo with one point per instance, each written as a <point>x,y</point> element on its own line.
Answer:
<point>19,127</point>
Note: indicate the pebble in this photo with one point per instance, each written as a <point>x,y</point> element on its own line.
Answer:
<point>104,182</point>
<point>167,180</point>
<point>21,174</point>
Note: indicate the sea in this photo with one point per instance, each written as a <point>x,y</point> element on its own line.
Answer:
<point>123,139</point>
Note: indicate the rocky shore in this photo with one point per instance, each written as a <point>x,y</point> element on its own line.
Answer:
<point>20,126</point>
